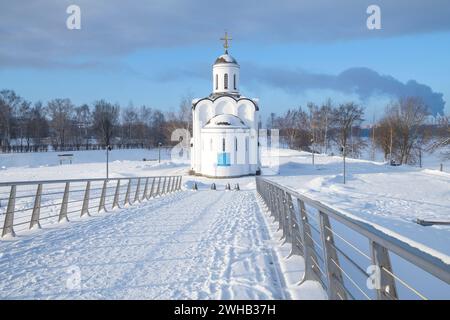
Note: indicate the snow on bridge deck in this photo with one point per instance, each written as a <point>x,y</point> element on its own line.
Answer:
<point>187,245</point>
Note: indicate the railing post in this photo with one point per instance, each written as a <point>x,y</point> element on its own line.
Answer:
<point>386,289</point>
<point>336,289</point>
<point>157,190</point>
<point>116,195</point>
<point>85,206</point>
<point>65,200</point>
<point>296,240</point>
<point>179,183</point>
<point>278,210</point>
<point>275,203</point>
<point>269,195</point>
<point>151,189</point>
<point>173,184</point>
<point>164,186</point>
<point>312,271</point>
<point>9,219</point>
<point>138,189</point>
<point>127,194</point>
<point>101,205</point>
<point>271,202</point>
<point>144,196</point>
<point>287,227</point>
<point>36,208</point>
<point>168,185</point>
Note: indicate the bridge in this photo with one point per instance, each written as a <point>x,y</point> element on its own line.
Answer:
<point>152,238</point>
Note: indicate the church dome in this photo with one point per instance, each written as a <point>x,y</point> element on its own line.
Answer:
<point>225,58</point>
<point>225,121</point>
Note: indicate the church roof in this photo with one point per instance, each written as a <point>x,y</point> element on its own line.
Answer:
<point>225,58</point>
<point>215,96</point>
<point>225,121</point>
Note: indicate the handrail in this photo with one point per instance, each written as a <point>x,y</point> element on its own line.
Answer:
<point>77,195</point>
<point>382,241</point>
<point>33,182</point>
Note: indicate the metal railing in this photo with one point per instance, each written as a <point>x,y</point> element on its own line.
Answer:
<point>350,258</point>
<point>26,205</point>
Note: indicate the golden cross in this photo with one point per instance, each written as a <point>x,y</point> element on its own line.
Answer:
<point>226,39</point>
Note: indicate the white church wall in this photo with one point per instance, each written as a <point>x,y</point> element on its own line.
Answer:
<point>212,144</point>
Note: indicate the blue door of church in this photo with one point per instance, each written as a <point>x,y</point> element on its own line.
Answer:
<point>223,159</point>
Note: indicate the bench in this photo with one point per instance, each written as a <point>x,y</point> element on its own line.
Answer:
<point>65,157</point>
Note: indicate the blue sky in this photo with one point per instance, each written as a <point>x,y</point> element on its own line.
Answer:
<point>155,54</point>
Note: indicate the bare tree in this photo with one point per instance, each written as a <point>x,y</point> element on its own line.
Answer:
<point>408,117</point>
<point>185,112</point>
<point>325,118</point>
<point>83,122</point>
<point>130,120</point>
<point>10,103</point>
<point>145,116</point>
<point>345,118</point>
<point>158,127</point>
<point>105,120</point>
<point>384,135</point>
<point>37,127</point>
<point>22,117</point>
<point>60,112</point>
<point>294,128</point>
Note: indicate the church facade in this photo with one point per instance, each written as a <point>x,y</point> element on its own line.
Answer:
<point>225,141</point>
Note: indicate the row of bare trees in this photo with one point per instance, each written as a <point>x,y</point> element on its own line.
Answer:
<point>25,126</point>
<point>402,133</point>
<point>322,128</point>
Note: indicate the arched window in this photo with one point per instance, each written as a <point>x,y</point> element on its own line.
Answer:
<point>217,81</point>
<point>223,144</point>
<point>225,81</point>
<point>235,143</point>
<point>234,81</point>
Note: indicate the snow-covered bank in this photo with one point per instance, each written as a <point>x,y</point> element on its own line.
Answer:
<point>393,197</point>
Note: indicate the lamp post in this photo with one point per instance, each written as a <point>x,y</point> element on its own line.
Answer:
<point>420,157</point>
<point>312,149</point>
<point>159,152</point>
<point>108,149</point>
<point>343,153</point>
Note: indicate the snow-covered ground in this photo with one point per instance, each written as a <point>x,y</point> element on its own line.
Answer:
<point>86,164</point>
<point>206,244</point>
<point>393,197</point>
<point>187,245</point>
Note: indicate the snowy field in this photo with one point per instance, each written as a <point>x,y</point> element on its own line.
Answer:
<point>206,244</point>
<point>393,197</point>
<point>86,164</point>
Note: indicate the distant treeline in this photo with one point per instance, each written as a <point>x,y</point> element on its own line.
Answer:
<point>402,133</point>
<point>60,125</point>
<point>90,146</point>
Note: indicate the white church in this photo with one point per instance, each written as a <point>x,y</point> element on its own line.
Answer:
<point>225,141</point>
